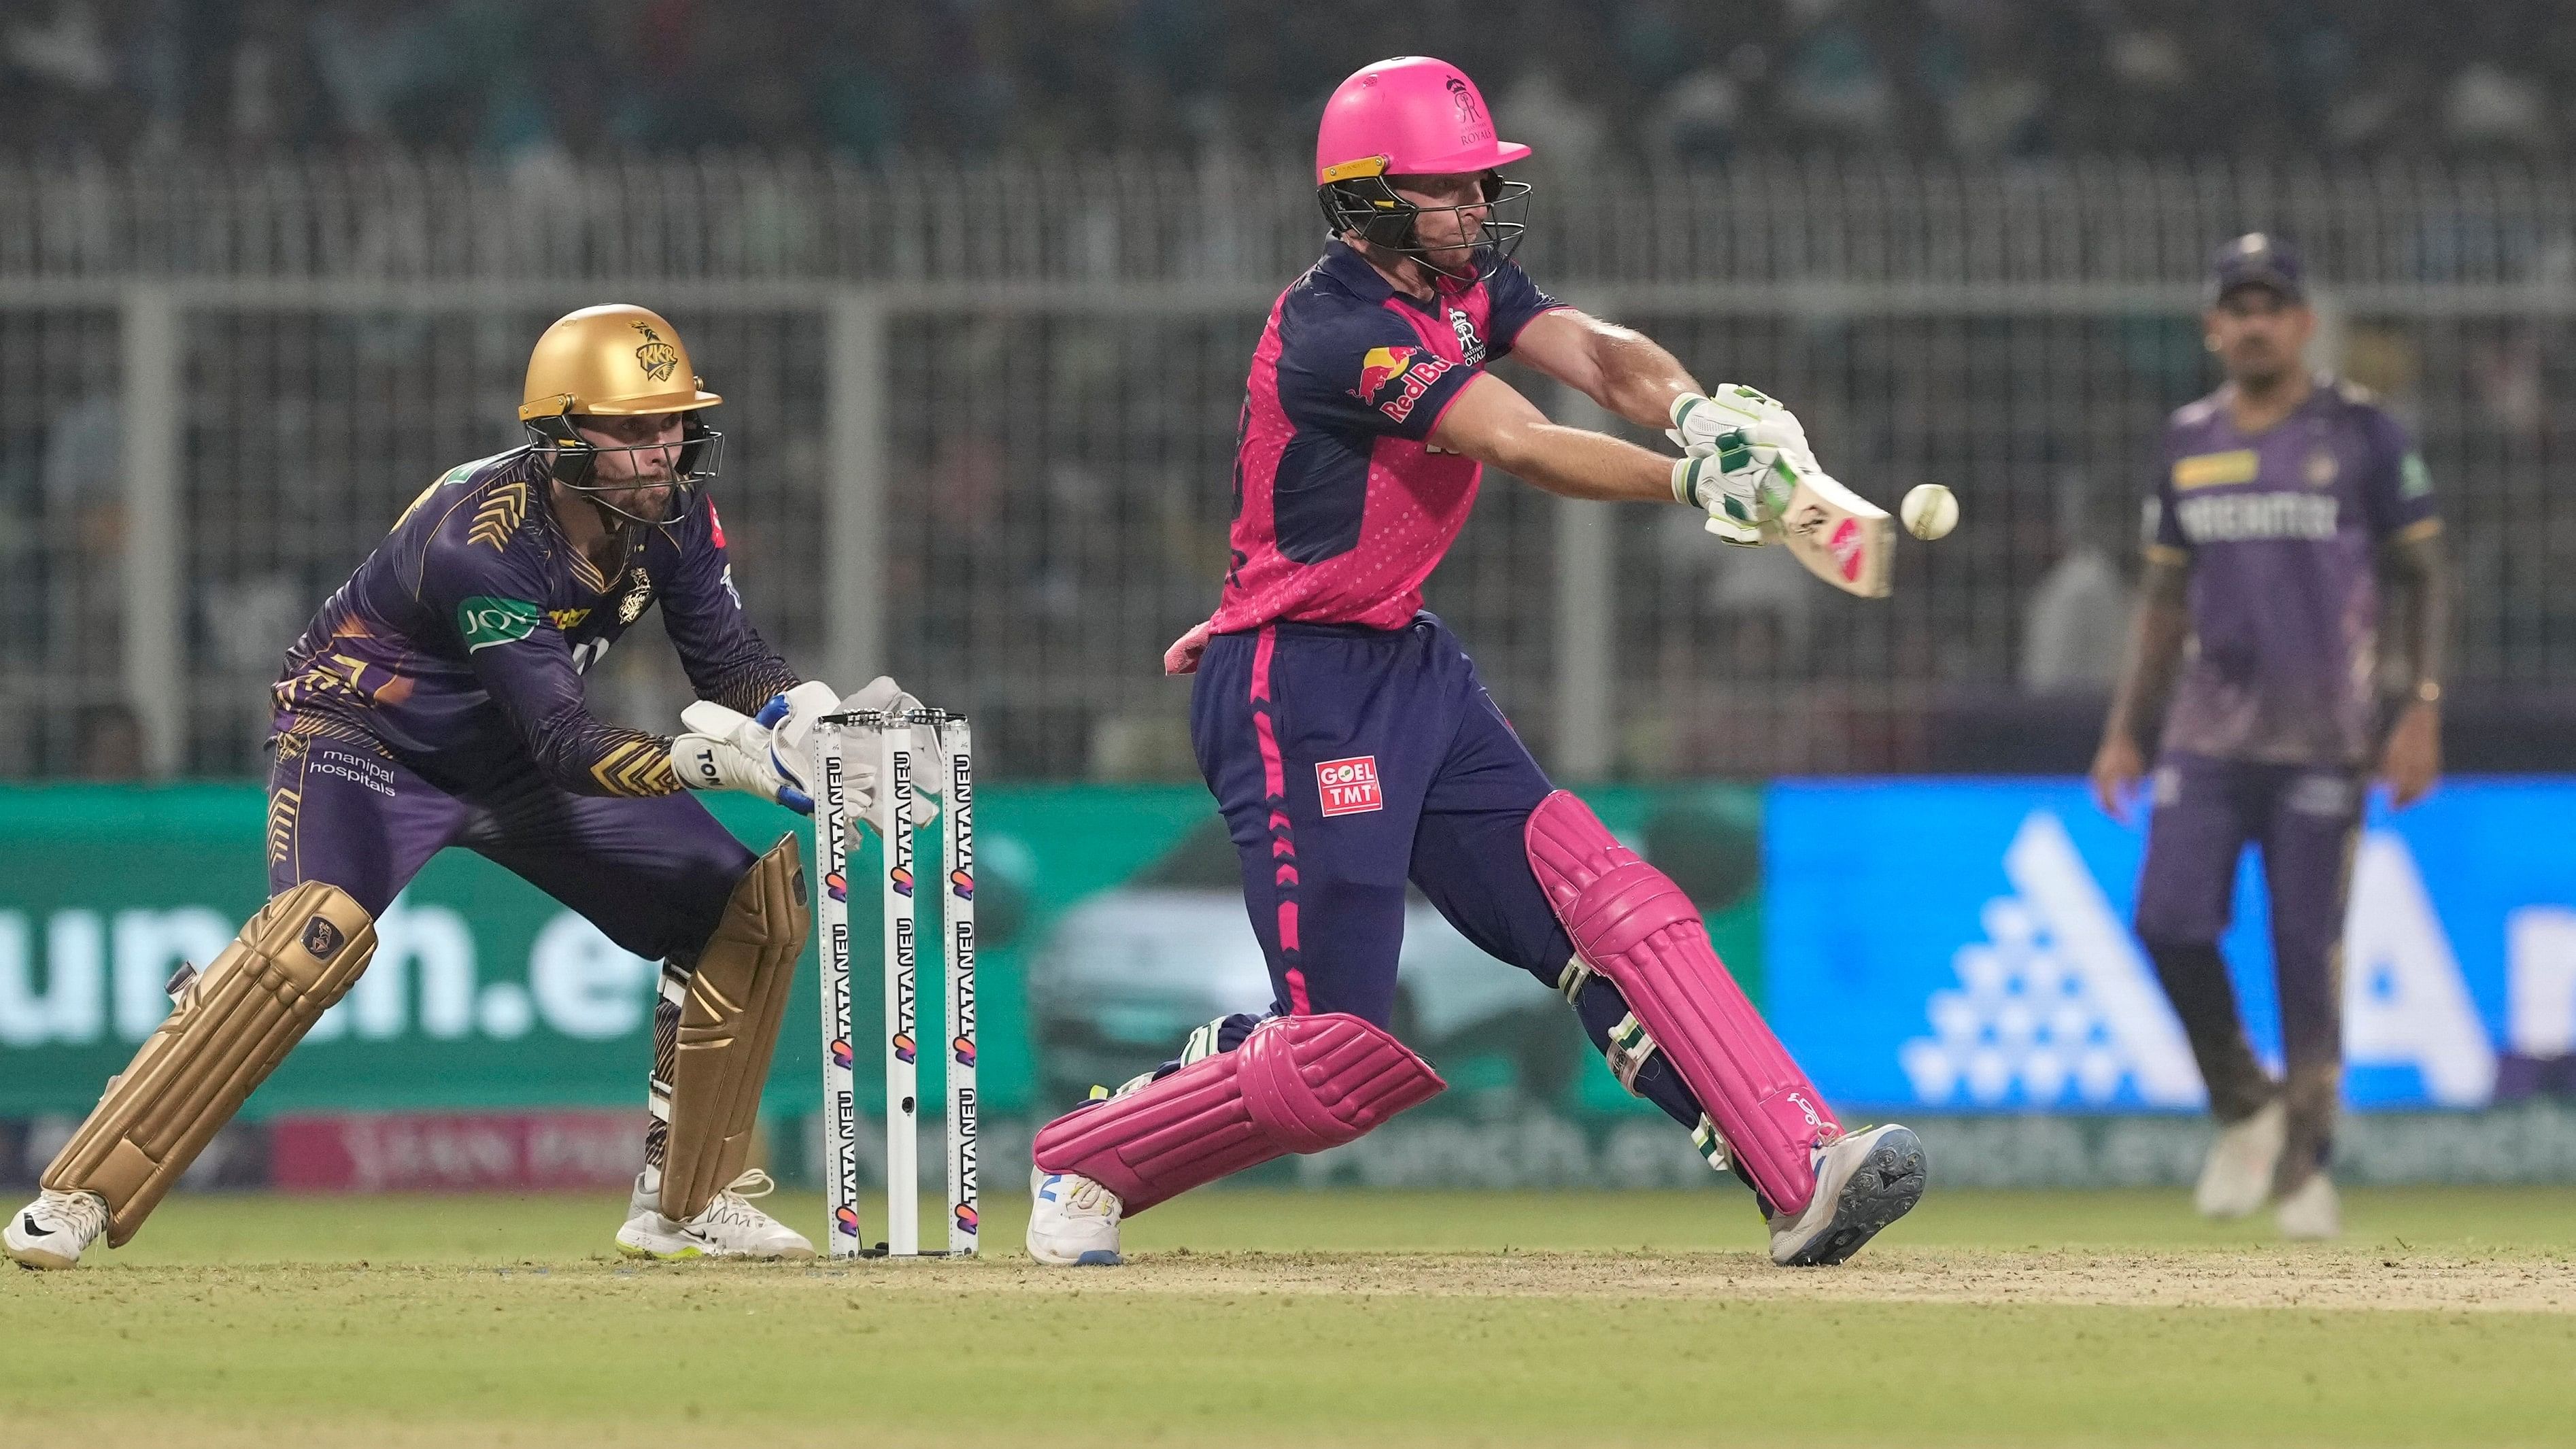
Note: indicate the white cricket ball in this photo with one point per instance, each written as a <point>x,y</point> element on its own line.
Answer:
<point>1929,510</point>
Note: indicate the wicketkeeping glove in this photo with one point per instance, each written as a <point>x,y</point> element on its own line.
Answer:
<point>929,767</point>
<point>724,749</point>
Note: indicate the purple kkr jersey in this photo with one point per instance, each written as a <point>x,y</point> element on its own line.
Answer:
<point>458,647</point>
<point>2281,532</point>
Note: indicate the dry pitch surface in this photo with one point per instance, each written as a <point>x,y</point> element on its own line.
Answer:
<point>1261,1318</point>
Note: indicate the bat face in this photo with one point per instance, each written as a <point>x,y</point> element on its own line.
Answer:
<point>1841,537</point>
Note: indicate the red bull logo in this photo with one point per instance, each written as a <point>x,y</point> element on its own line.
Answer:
<point>901,878</point>
<point>905,1048</point>
<point>965,1051</point>
<point>843,1057</point>
<point>1381,366</point>
<point>963,883</point>
<point>836,885</point>
<point>1409,369</point>
<point>1846,546</point>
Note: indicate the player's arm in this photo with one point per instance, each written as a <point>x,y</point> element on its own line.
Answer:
<point>1622,369</point>
<point>1492,422</point>
<point>2419,567</point>
<point>523,663</point>
<point>521,659</point>
<point>2398,493</point>
<point>2156,635</point>
<point>726,659</point>
<point>746,689</point>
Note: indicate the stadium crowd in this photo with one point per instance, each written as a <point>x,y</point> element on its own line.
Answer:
<point>1663,80</point>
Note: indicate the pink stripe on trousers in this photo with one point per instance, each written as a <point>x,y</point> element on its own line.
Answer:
<point>1283,840</point>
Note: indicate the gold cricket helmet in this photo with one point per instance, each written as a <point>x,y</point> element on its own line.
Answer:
<point>614,361</point>
<point>620,360</point>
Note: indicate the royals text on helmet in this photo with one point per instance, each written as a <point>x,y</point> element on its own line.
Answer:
<point>1415,116</point>
<point>616,361</point>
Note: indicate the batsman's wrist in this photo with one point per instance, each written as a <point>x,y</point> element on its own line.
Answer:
<point>1682,492</point>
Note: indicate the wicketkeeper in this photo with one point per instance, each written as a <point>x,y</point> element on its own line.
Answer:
<point>2279,500</point>
<point>436,701</point>
<point>1351,747</point>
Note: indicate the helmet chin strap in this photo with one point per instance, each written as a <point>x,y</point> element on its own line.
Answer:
<point>1420,257</point>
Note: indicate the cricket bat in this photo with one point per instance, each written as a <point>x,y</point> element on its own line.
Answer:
<point>1841,537</point>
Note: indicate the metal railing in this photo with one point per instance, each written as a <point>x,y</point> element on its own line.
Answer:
<point>982,424</point>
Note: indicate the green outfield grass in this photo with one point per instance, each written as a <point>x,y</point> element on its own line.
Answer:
<point>1280,1318</point>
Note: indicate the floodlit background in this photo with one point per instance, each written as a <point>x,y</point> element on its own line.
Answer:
<point>979,282</point>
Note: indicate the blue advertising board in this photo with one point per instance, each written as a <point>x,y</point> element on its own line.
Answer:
<point>1965,946</point>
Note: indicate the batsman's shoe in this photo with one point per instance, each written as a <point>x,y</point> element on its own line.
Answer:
<point>52,1231</point>
<point>2311,1212</point>
<point>729,1228</point>
<point>2237,1177</point>
<point>1864,1181</point>
<point>1073,1221</point>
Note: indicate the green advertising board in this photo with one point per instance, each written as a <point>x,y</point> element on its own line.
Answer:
<point>1108,919</point>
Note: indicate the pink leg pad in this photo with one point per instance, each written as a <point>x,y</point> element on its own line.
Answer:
<point>1297,1084</point>
<point>1634,926</point>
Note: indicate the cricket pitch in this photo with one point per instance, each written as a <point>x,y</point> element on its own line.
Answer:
<point>1256,1318</point>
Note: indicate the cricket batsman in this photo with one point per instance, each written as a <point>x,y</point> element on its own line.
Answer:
<point>436,701</point>
<point>2279,498</point>
<point>1351,747</point>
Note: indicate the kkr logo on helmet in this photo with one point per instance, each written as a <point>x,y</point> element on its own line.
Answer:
<point>657,357</point>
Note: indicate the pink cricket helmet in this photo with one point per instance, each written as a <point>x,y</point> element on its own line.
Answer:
<point>1410,116</point>
<point>1413,116</point>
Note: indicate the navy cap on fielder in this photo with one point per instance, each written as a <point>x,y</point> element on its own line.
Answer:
<point>2257,259</point>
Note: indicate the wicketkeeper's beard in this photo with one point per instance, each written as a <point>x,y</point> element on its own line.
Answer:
<point>635,502</point>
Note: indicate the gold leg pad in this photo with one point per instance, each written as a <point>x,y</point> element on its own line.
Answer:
<point>729,1027</point>
<point>232,1026</point>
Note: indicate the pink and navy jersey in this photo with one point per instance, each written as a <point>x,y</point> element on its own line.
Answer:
<point>2281,531</point>
<point>1341,505</point>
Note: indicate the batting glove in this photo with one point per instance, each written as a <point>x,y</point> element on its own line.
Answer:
<point>1741,487</point>
<point>1732,408</point>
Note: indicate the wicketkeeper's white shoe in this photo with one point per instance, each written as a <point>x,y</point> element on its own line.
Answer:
<point>729,1228</point>
<point>2311,1211</point>
<point>52,1231</point>
<point>2237,1177</point>
<point>1073,1221</point>
<point>1864,1181</point>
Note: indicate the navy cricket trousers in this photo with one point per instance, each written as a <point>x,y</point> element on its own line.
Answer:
<point>1348,761</point>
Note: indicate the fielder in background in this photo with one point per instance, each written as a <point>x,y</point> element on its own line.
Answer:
<point>436,700</point>
<point>2279,499</point>
<point>1351,747</point>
